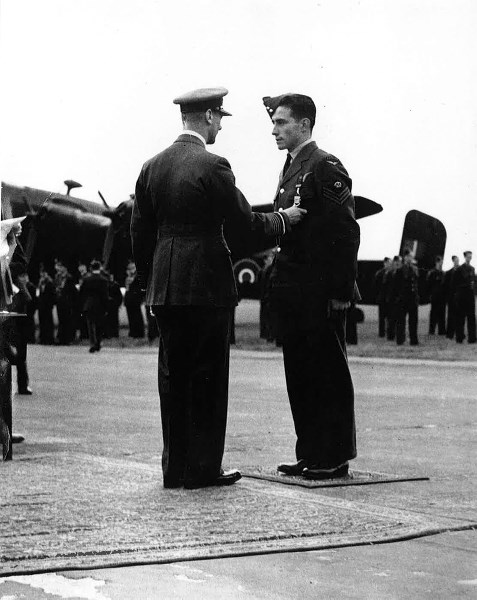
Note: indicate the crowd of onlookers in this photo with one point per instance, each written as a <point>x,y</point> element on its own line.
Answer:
<point>450,293</point>
<point>86,304</point>
<point>398,286</point>
<point>64,292</point>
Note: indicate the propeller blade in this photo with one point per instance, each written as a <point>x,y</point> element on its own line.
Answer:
<point>104,201</point>
<point>108,245</point>
<point>31,242</point>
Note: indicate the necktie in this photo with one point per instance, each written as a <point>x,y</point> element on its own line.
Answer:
<point>287,164</point>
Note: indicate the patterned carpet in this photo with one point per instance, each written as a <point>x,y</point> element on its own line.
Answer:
<point>354,477</point>
<point>66,511</point>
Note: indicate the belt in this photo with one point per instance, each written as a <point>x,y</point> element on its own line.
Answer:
<point>190,229</point>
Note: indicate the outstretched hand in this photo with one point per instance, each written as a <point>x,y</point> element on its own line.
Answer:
<point>294,214</point>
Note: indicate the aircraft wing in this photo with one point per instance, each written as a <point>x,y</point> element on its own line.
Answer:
<point>364,207</point>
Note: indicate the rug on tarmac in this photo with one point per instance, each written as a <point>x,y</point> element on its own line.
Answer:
<point>354,477</point>
<point>70,511</point>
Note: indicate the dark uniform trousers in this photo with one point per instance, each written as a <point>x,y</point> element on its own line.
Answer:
<point>319,386</point>
<point>436,284</point>
<point>437,316</point>
<point>193,376</point>
<point>465,310</point>
<point>449,293</point>
<point>409,309</point>
<point>382,316</point>
<point>380,285</point>
<point>464,281</point>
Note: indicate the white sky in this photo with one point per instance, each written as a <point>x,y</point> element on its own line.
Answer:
<point>88,88</point>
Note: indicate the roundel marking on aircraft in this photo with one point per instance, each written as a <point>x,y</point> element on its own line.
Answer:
<point>246,270</point>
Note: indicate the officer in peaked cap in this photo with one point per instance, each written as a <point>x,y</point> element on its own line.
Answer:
<point>183,196</point>
<point>203,99</point>
<point>312,285</point>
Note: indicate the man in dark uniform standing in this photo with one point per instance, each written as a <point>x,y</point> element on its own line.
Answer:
<point>183,196</point>
<point>449,290</point>
<point>464,282</point>
<point>380,287</point>
<point>21,300</point>
<point>312,285</point>
<point>94,298</point>
<point>406,299</point>
<point>391,308</point>
<point>436,293</point>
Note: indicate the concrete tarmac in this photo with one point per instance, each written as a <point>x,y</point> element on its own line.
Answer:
<point>413,418</point>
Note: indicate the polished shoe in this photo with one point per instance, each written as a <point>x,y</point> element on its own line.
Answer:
<point>173,483</point>
<point>17,438</point>
<point>225,478</point>
<point>293,468</point>
<point>25,391</point>
<point>320,474</point>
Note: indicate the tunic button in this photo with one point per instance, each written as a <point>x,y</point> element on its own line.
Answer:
<point>282,191</point>
<point>279,249</point>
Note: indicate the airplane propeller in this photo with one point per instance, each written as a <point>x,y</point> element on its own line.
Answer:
<point>35,216</point>
<point>111,232</point>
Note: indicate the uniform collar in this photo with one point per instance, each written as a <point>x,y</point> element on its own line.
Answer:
<point>304,152</point>
<point>296,152</point>
<point>194,133</point>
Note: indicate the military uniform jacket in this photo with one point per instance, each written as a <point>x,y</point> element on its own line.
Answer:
<point>405,285</point>
<point>380,285</point>
<point>183,197</point>
<point>319,255</point>
<point>464,280</point>
<point>435,285</point>
<point>94,295</point>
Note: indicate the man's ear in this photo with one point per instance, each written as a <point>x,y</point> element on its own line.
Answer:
<point>208,116</point>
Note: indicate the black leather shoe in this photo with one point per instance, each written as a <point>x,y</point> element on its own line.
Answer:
<point>225,478</point>
<point>173,483</point>
<point>320,474</point>
<point>293,468</point>
<point>17,438</point>
<point>25,391</point>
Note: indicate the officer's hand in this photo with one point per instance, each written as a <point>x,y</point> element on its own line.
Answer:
<point>294,214</point>
<point>339,305</point>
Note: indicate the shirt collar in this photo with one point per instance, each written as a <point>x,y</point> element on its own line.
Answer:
<point>299,148</point>
<point>191,132</point>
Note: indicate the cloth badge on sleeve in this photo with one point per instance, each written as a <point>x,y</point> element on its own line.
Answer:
<point>337,191</point>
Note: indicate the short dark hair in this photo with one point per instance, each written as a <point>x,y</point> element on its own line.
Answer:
<point>454,256</point>
<point>386,258</point>
<point>467,252</point>
<point>301,107</point>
